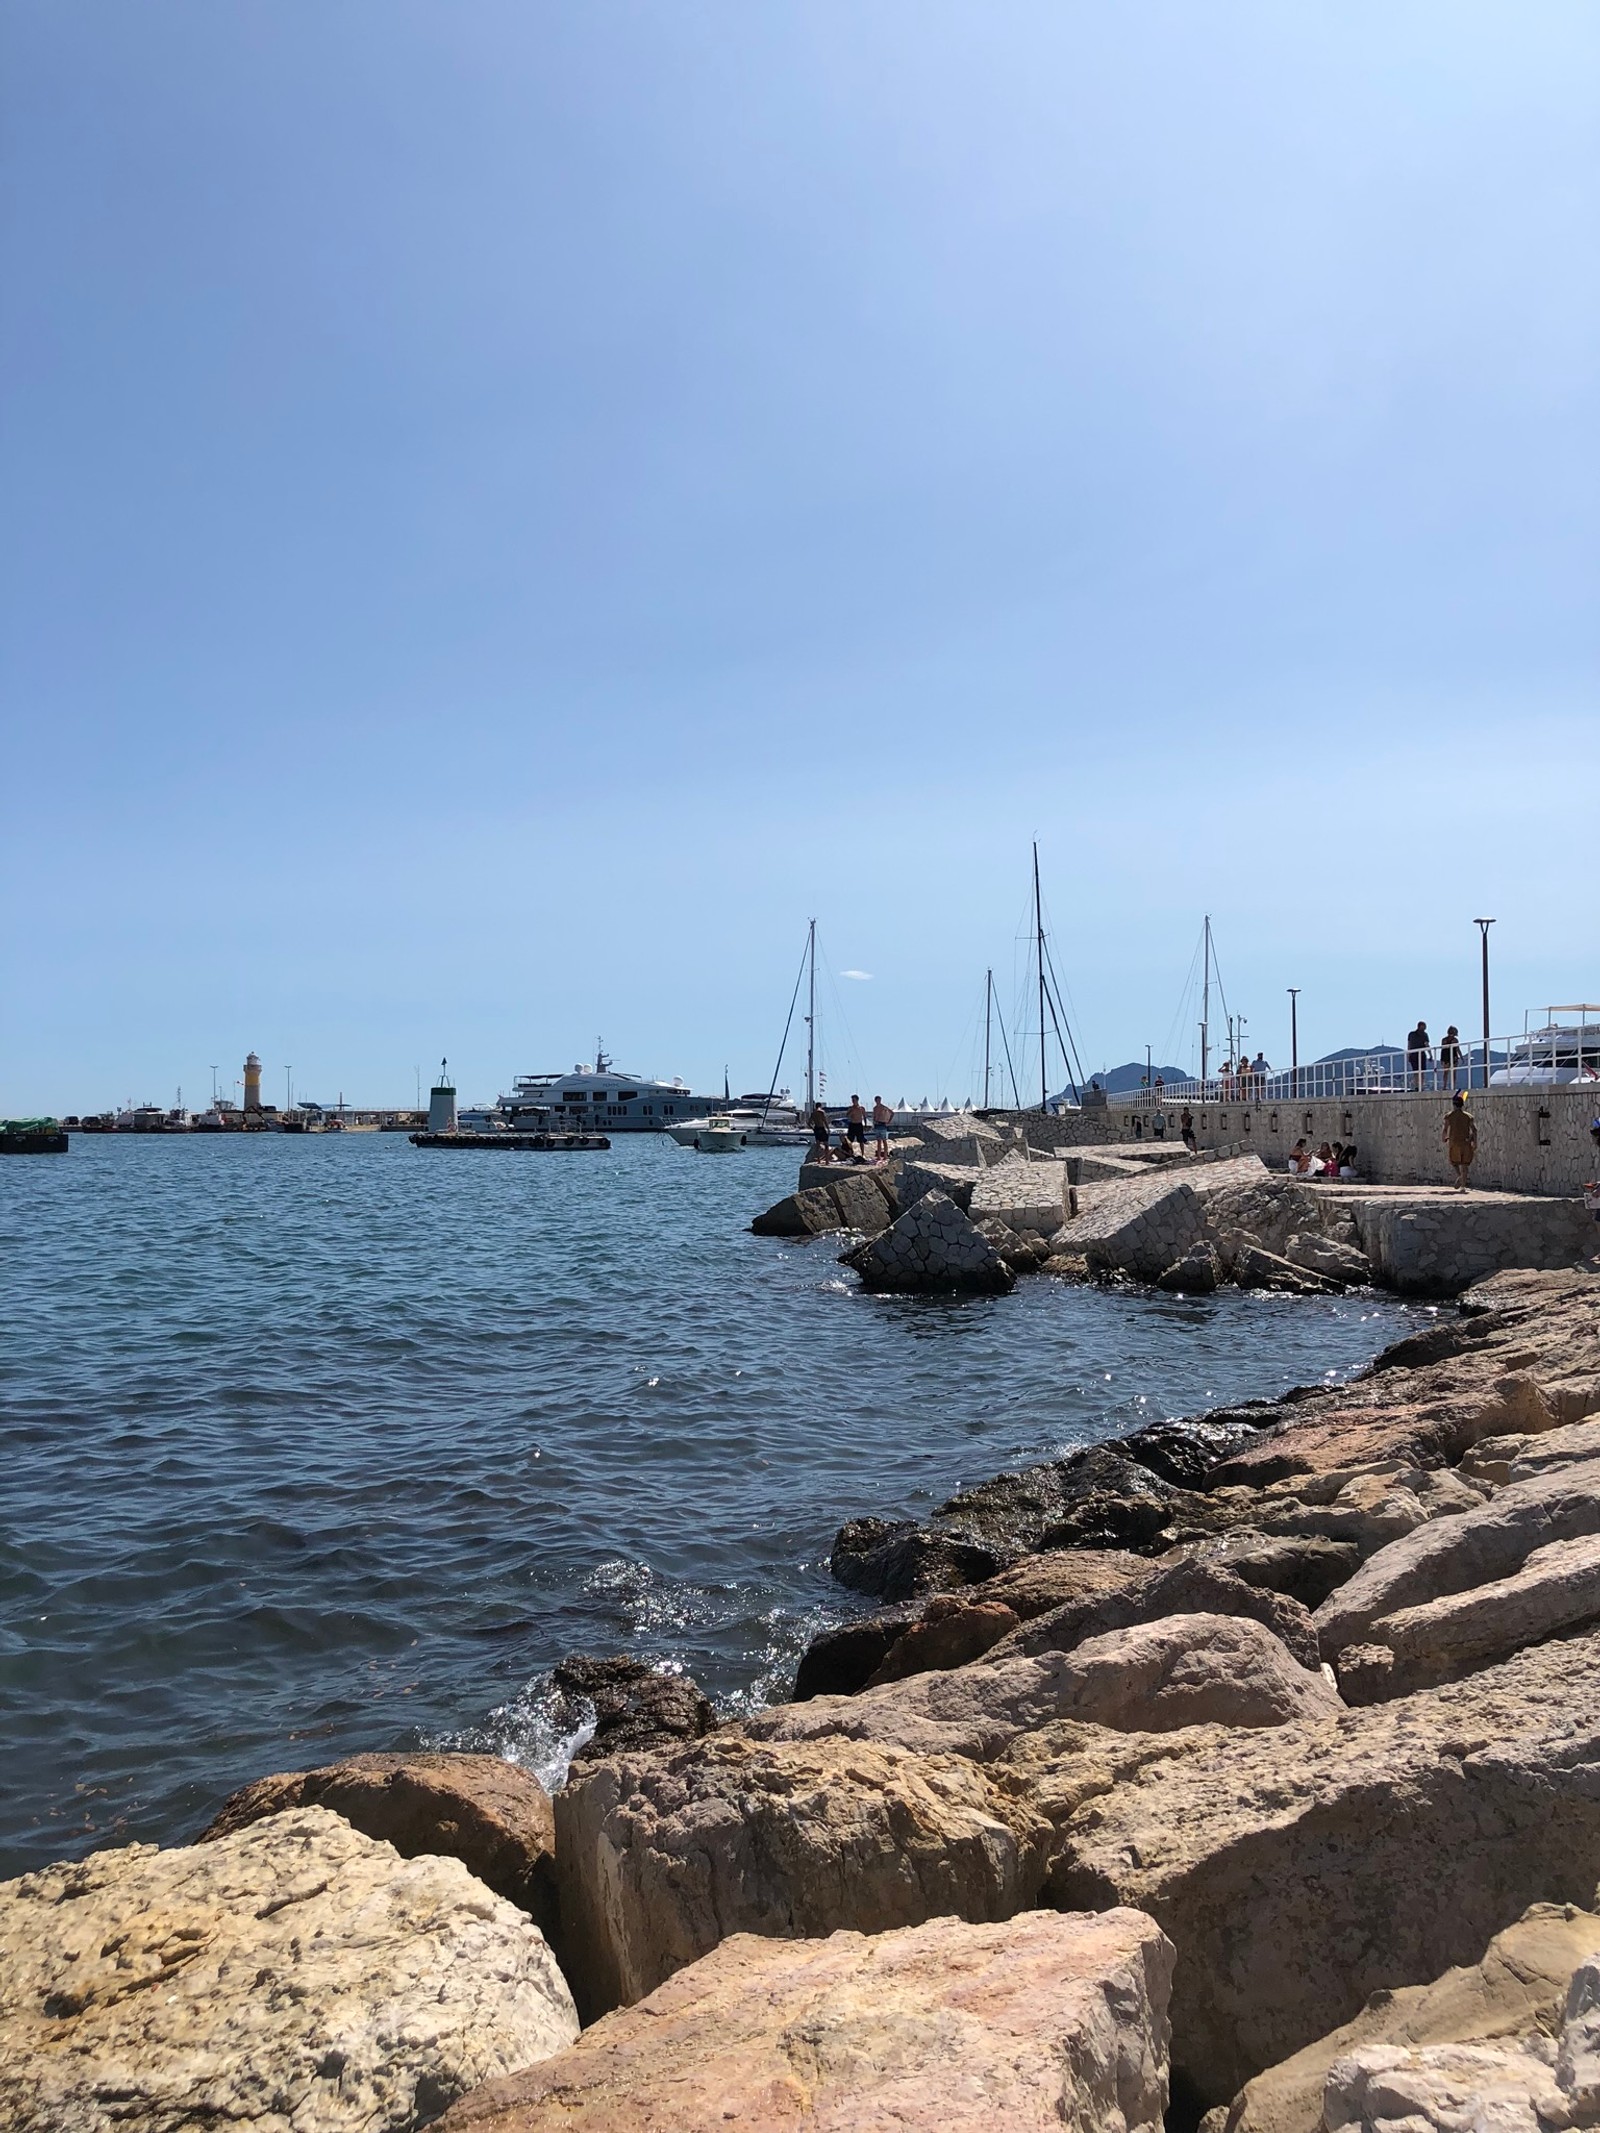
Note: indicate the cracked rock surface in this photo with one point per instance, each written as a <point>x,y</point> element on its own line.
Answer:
<point>293,1977</point>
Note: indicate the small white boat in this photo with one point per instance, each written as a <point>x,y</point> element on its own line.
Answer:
<point>721,1134</point>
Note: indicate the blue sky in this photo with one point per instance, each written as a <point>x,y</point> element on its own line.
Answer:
<point>509,509</point>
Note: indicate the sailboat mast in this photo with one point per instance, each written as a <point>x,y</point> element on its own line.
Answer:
<point>1205,1010</point>
<point>811,1021</point>
<point>988,1018</point>
<point>1038,935</point>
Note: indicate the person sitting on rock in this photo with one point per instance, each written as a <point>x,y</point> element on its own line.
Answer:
<point>1347,1160</point>
<point>1300,1159</point>
<point>1327,1165</point>
<point>1460,1137</point>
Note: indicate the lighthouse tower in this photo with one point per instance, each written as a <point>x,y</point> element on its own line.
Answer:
<point>252,1083</point>
<point>442,1102</point>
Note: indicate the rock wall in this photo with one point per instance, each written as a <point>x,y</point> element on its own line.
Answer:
<point>1529,1140</point>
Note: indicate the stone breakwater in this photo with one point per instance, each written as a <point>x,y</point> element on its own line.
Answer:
<point>1247,1768</point>
<point>966,1204</point>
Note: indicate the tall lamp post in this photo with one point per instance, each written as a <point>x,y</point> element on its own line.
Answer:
<point>1483,925</point>
<point>1294,1043</point>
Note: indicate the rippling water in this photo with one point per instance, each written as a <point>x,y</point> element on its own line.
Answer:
<point>315,1445</point>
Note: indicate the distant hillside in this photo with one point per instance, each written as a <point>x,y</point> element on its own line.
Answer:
<point>1118,1079</point>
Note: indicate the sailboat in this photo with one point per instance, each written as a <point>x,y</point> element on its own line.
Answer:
<point>756,1120</point>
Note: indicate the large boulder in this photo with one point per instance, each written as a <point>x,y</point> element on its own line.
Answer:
<point>960,1137</point>
<point>1518,1988</point>
<point>292,1974</point>
<point>662,1856</point>
<point>1300,1870</point>
<point>1303,1567</point>
<point>952,1631</point>
<point>1450,1556</point>
<point>918,1178</point>
<point>1186,1670</point>
<point>898,1559</point>
<point>1557,1589</point>
<point>932,1246</point>
<point>840,1660</point>
<point>864,1198</point>
<point>1186,1587</point>
<point>1028,1197</point>
<point>1043,2021</point>
<point>812,1212</point>
<point>494,1817</point>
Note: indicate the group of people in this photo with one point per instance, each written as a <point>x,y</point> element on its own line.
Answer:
<point>1451,1064</point>
<point>852,1147</point>
<point>1334,1159</point>
<point>1246,1080</point>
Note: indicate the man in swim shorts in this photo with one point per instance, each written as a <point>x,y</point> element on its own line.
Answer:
<point>882,1120</point>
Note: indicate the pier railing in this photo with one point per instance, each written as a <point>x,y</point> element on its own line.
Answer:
<point>1538,1059</point>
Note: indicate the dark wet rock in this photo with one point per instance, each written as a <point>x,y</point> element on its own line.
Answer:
<point>634,1706</point>
<point>1254,1267</point>
<point>1198,1273</point>
<point>1181,1588</point>
<point>900,1560</point>
<point>953,1631</point>
<point>1184,1453</point>
<point>839,1661</point>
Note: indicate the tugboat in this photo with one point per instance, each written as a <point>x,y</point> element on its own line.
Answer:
<point>32,1136</point>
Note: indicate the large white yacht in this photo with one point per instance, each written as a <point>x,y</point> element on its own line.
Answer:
<point>600,1098</point>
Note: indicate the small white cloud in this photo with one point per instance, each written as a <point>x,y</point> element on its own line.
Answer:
<point>864,975</point>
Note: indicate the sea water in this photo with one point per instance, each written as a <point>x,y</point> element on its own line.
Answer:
<point>319,1444</point>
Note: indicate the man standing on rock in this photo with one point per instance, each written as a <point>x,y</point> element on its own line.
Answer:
<point>857,1126</point>
<point>882,1120</point>
<point>1461,1139</point>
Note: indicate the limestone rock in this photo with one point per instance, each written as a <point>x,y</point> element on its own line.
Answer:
<point>839,1661</point>
<point>1043,2021</point>
<point>952,1631</point>
<point>961,1137</point>
<point>1185,1670</point>
<point>662,1856</point>
<point>932,1245</point>
<point>1167,1589</point>
<point>495,1818</point>
<point>1576,1444</point>
<point>864,1200</point>
<point>1556,1590</point>
<point>810,1213</point>
<point>1452,1555</point>
<point>1346,1264</point>
<point>1495,2088</point>
<point>1518,1987</point>
<point>1254,1267</point>
<point>1198,1273</point>
<point>1301,1869</point>
<point>634,1705</point>
<point>920,1176</point>
<point>292,1977</point>
<point>1303,1567</point>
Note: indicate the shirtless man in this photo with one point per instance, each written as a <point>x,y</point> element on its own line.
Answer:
<point>882,1120</point>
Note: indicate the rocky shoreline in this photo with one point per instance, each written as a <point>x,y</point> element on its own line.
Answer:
<point>1246,1768</point>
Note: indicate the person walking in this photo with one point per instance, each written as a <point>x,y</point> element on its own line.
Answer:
<point>1449,1057</point>
<point>1418,1055</point>
<point>1460,1137</point>
<point>882,1120</point>
<point>1186,1129</point>
<point>856,1124</point>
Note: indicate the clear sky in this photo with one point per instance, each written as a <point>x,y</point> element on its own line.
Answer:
<point>511,508</point>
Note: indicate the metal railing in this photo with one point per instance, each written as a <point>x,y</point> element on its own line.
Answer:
<point>1538,1059</point>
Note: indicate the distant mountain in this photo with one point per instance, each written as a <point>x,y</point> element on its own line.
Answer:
<point>1118,1080</point>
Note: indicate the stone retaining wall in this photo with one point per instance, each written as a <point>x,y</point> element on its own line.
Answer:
<point>1529,1140</point>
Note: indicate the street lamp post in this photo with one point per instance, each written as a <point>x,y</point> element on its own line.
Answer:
<point>1149,1080</point>
<point>1294,1043</point>
<point>1483,925</point>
